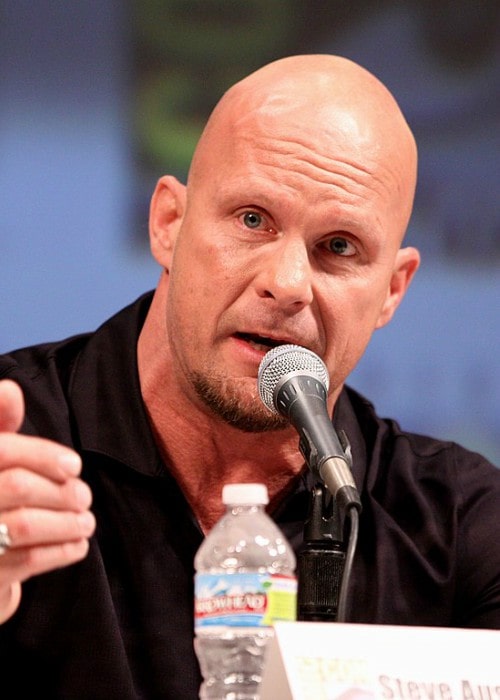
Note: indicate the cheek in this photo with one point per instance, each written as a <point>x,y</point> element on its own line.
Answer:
<point>357,302</point>
<point>205,277</point>
<point>351,319</point>
<point>214,258</point>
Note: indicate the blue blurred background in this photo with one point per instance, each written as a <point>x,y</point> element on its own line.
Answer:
<point>99,98</point>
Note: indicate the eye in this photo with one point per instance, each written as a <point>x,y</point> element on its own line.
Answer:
<point>254,220</point>
<point>341,246</point>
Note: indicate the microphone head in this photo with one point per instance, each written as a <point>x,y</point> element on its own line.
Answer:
<point>284,361</point>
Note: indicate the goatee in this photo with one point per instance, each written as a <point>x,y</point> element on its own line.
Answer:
<point>228,401</point>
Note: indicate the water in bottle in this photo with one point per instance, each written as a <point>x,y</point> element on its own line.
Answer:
<point>244,582</point>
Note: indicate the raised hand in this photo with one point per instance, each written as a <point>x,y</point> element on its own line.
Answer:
<point>45,521</point>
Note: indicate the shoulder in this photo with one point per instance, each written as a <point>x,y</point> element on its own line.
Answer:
<point>44,372</point>
<point>52,375</point>
<point>36,361</point>
<point>413,458</point>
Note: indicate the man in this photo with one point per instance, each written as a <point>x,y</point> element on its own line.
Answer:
<point>289,230</point>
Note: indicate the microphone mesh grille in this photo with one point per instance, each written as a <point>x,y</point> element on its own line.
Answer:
<point>283,360</point>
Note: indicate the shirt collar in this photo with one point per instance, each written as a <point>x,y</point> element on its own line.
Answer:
<point>106,380</point>
<point>106,395</point>
<point>345,418</point>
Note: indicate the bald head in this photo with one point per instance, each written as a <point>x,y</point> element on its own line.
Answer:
<point>330,102</point>
<point>320,78</point>
<point>298,197</point>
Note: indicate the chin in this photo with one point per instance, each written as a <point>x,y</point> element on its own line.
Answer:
<point>236,405</point>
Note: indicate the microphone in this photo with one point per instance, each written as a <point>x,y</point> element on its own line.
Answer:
<point>293,382</point>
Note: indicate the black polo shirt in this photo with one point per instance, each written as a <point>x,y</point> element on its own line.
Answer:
<point>120,623</point>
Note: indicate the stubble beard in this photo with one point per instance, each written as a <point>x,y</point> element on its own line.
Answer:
<point>235,406</point>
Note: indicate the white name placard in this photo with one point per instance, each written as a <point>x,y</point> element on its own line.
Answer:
<point>333,661</point>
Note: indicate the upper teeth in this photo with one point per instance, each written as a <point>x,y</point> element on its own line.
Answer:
<point>261,340</point>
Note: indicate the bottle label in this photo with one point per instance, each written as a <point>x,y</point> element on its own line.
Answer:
<point>244,600</point>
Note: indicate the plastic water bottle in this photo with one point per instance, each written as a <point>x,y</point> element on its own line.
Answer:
<point>244,582</point>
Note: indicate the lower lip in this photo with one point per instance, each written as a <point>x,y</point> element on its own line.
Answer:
<point>247,351</point>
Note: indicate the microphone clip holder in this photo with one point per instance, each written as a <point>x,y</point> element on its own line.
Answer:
<point>320,562</point>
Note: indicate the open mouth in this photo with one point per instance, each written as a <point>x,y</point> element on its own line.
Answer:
<point>260,342</point>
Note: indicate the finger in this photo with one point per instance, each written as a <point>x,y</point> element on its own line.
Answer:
<point>29,527</point>
<point>18,565</point>
<point>38,454</point>
<point>20,487</point>
<point>11,405</point>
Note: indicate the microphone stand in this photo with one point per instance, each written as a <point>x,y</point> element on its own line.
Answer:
<point>321,560</point>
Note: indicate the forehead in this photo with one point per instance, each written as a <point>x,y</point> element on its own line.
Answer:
<point>326,165</point>
<point>320,143</point>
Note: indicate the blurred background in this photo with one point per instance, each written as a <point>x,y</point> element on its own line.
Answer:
<point>98,98</point>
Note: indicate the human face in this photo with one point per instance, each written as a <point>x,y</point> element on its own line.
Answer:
<point>288,236</point>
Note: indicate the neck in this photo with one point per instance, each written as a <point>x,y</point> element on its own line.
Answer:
<point>204,454</point>
<point>201,450</point>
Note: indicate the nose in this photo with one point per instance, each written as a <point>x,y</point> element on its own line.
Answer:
<point>286,274</point>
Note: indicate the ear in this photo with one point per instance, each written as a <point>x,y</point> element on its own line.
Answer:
<point>165,217</point>
<point>406,264</point>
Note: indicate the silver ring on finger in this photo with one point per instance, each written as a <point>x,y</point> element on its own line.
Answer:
<point>5,539</point>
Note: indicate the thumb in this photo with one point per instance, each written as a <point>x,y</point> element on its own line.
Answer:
<point>11,406</point>
<point>12,597</point>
